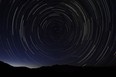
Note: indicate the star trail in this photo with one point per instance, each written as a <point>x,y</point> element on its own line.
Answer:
<point>36,33</point>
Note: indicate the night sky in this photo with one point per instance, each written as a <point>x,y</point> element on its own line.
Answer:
<point>36,33</point>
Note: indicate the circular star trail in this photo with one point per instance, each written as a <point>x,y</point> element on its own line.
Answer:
<point>38,33</point>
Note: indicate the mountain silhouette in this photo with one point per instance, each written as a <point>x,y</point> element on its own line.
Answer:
<point>4,67</point>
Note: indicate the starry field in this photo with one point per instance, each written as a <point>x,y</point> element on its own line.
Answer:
<point>35,33</point>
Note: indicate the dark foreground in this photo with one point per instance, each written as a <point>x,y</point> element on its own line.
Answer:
<point>6,69</point>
